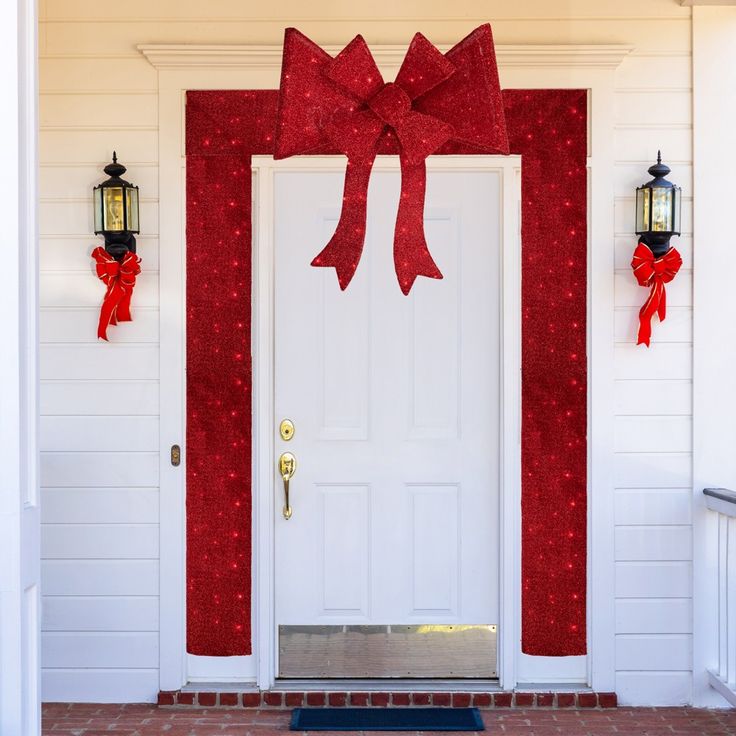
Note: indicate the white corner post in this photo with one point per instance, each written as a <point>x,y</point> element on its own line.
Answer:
<point>20,712</point>
<point>714,320</point>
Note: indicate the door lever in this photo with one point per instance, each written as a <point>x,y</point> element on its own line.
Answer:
<point>287,468</point>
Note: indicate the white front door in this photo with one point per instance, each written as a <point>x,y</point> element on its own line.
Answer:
<point>395,403</point>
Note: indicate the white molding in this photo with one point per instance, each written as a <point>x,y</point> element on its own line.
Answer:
<point>20,607</point>
<point>695,3</point>
<point>268,58</point>
<point>714,334</point>
<point>722,687</point>
<point>585,69</point>
<point>509,168</point>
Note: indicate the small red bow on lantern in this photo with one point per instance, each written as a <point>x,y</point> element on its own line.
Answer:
<point>653,272</point>
<point>344,104</point>
<point>119,277</point>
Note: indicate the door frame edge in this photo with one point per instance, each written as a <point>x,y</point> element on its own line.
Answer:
<point>263,168</point>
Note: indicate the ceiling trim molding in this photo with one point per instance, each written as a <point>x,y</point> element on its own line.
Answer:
<point>268,58</point>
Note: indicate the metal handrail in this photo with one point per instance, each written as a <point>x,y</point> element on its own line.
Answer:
<point>725,494</point>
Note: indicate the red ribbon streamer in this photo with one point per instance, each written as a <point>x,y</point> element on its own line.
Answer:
<point>119,277</point>
<point>344,103</point>
<point>655,273</point>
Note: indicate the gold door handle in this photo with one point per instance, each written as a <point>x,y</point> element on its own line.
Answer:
<point>287,468</point>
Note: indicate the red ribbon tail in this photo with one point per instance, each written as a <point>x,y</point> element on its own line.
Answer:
<point>411,255</point>
<point>122,313</point>
<point>108,311</point>
<point>662,306</point>
<point>345,248</point>
<point>651,306</point>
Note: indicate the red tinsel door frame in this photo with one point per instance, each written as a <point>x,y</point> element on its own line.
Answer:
<point>549,129</point>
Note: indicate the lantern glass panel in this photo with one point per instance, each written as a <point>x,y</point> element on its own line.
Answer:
<point>131,208</point>
<point>642,209</point>
<point>662,209</point>
<point>98,209</point>
<point>677,208</point>
<point>113,210</point>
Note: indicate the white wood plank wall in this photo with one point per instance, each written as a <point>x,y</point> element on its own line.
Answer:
<point>100,402</point>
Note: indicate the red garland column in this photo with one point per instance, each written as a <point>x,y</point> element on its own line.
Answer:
<point>218,449</point>
<point>548,127</point>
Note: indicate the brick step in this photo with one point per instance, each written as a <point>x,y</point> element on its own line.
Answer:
<point>289,699</point>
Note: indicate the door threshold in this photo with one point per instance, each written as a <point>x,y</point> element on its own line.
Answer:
<point>383,685</point>
<point>244,686</point>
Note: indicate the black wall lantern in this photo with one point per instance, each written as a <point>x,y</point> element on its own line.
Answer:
<point>116,211</point>
<point>658,205</point>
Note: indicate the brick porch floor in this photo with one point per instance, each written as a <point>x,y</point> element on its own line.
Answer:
<point>147,720</point>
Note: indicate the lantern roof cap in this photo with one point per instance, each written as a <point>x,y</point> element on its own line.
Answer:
<point>659,171</point>
<point>115,171</point>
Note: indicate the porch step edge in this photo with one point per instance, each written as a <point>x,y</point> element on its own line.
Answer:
<point>229,697</point>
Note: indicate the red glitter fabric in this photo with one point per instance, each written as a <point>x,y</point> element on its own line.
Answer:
<point>548,127</point>
<point>218,457</point>
<point>344,103</point>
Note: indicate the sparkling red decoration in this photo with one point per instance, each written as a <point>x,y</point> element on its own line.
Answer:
<point>218,456</point>
<point>655,273</point>
<point>548,128</point>
<point>119,277</point>
<point>344,103</point>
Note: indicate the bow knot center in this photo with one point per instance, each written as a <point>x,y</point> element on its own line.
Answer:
<point>659,266</point>
<point>391,104</point>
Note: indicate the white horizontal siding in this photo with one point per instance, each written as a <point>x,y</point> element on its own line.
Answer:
<point>653,398</point>
<point>101,397</point>
<point>99,541</point>
<point>654,616</point>
<point>100,465</point>
<point>99,506</point>
<point>96,613</point>
<point>99,469</point>
<point>99,577</point>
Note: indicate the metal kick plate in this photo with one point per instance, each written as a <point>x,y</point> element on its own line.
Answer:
<point>395,651</point>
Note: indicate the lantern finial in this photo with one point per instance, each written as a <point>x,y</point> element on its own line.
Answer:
<point>115,169</point>
<point>659,170</point>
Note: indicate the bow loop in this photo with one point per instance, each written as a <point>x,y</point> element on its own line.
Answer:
<point>423,68</point>
<point>344,102</point>
<point>354,69</point>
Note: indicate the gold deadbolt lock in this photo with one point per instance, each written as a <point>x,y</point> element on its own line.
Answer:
<point>286,429</point>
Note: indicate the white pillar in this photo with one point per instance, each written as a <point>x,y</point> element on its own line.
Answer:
<point>714,316</point>
<point>19,521</point>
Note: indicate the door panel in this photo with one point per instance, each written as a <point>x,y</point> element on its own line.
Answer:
<point>395,403</point>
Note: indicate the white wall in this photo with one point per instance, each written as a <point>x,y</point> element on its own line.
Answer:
<point>100,402</point>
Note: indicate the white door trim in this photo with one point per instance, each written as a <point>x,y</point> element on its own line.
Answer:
<point>20,548</point>
<point>184,67</point>
<point>509,169</point>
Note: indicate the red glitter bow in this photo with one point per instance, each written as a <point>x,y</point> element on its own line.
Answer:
<point>344,104</point>
<point>119,277</point>
<point>654,272</point>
